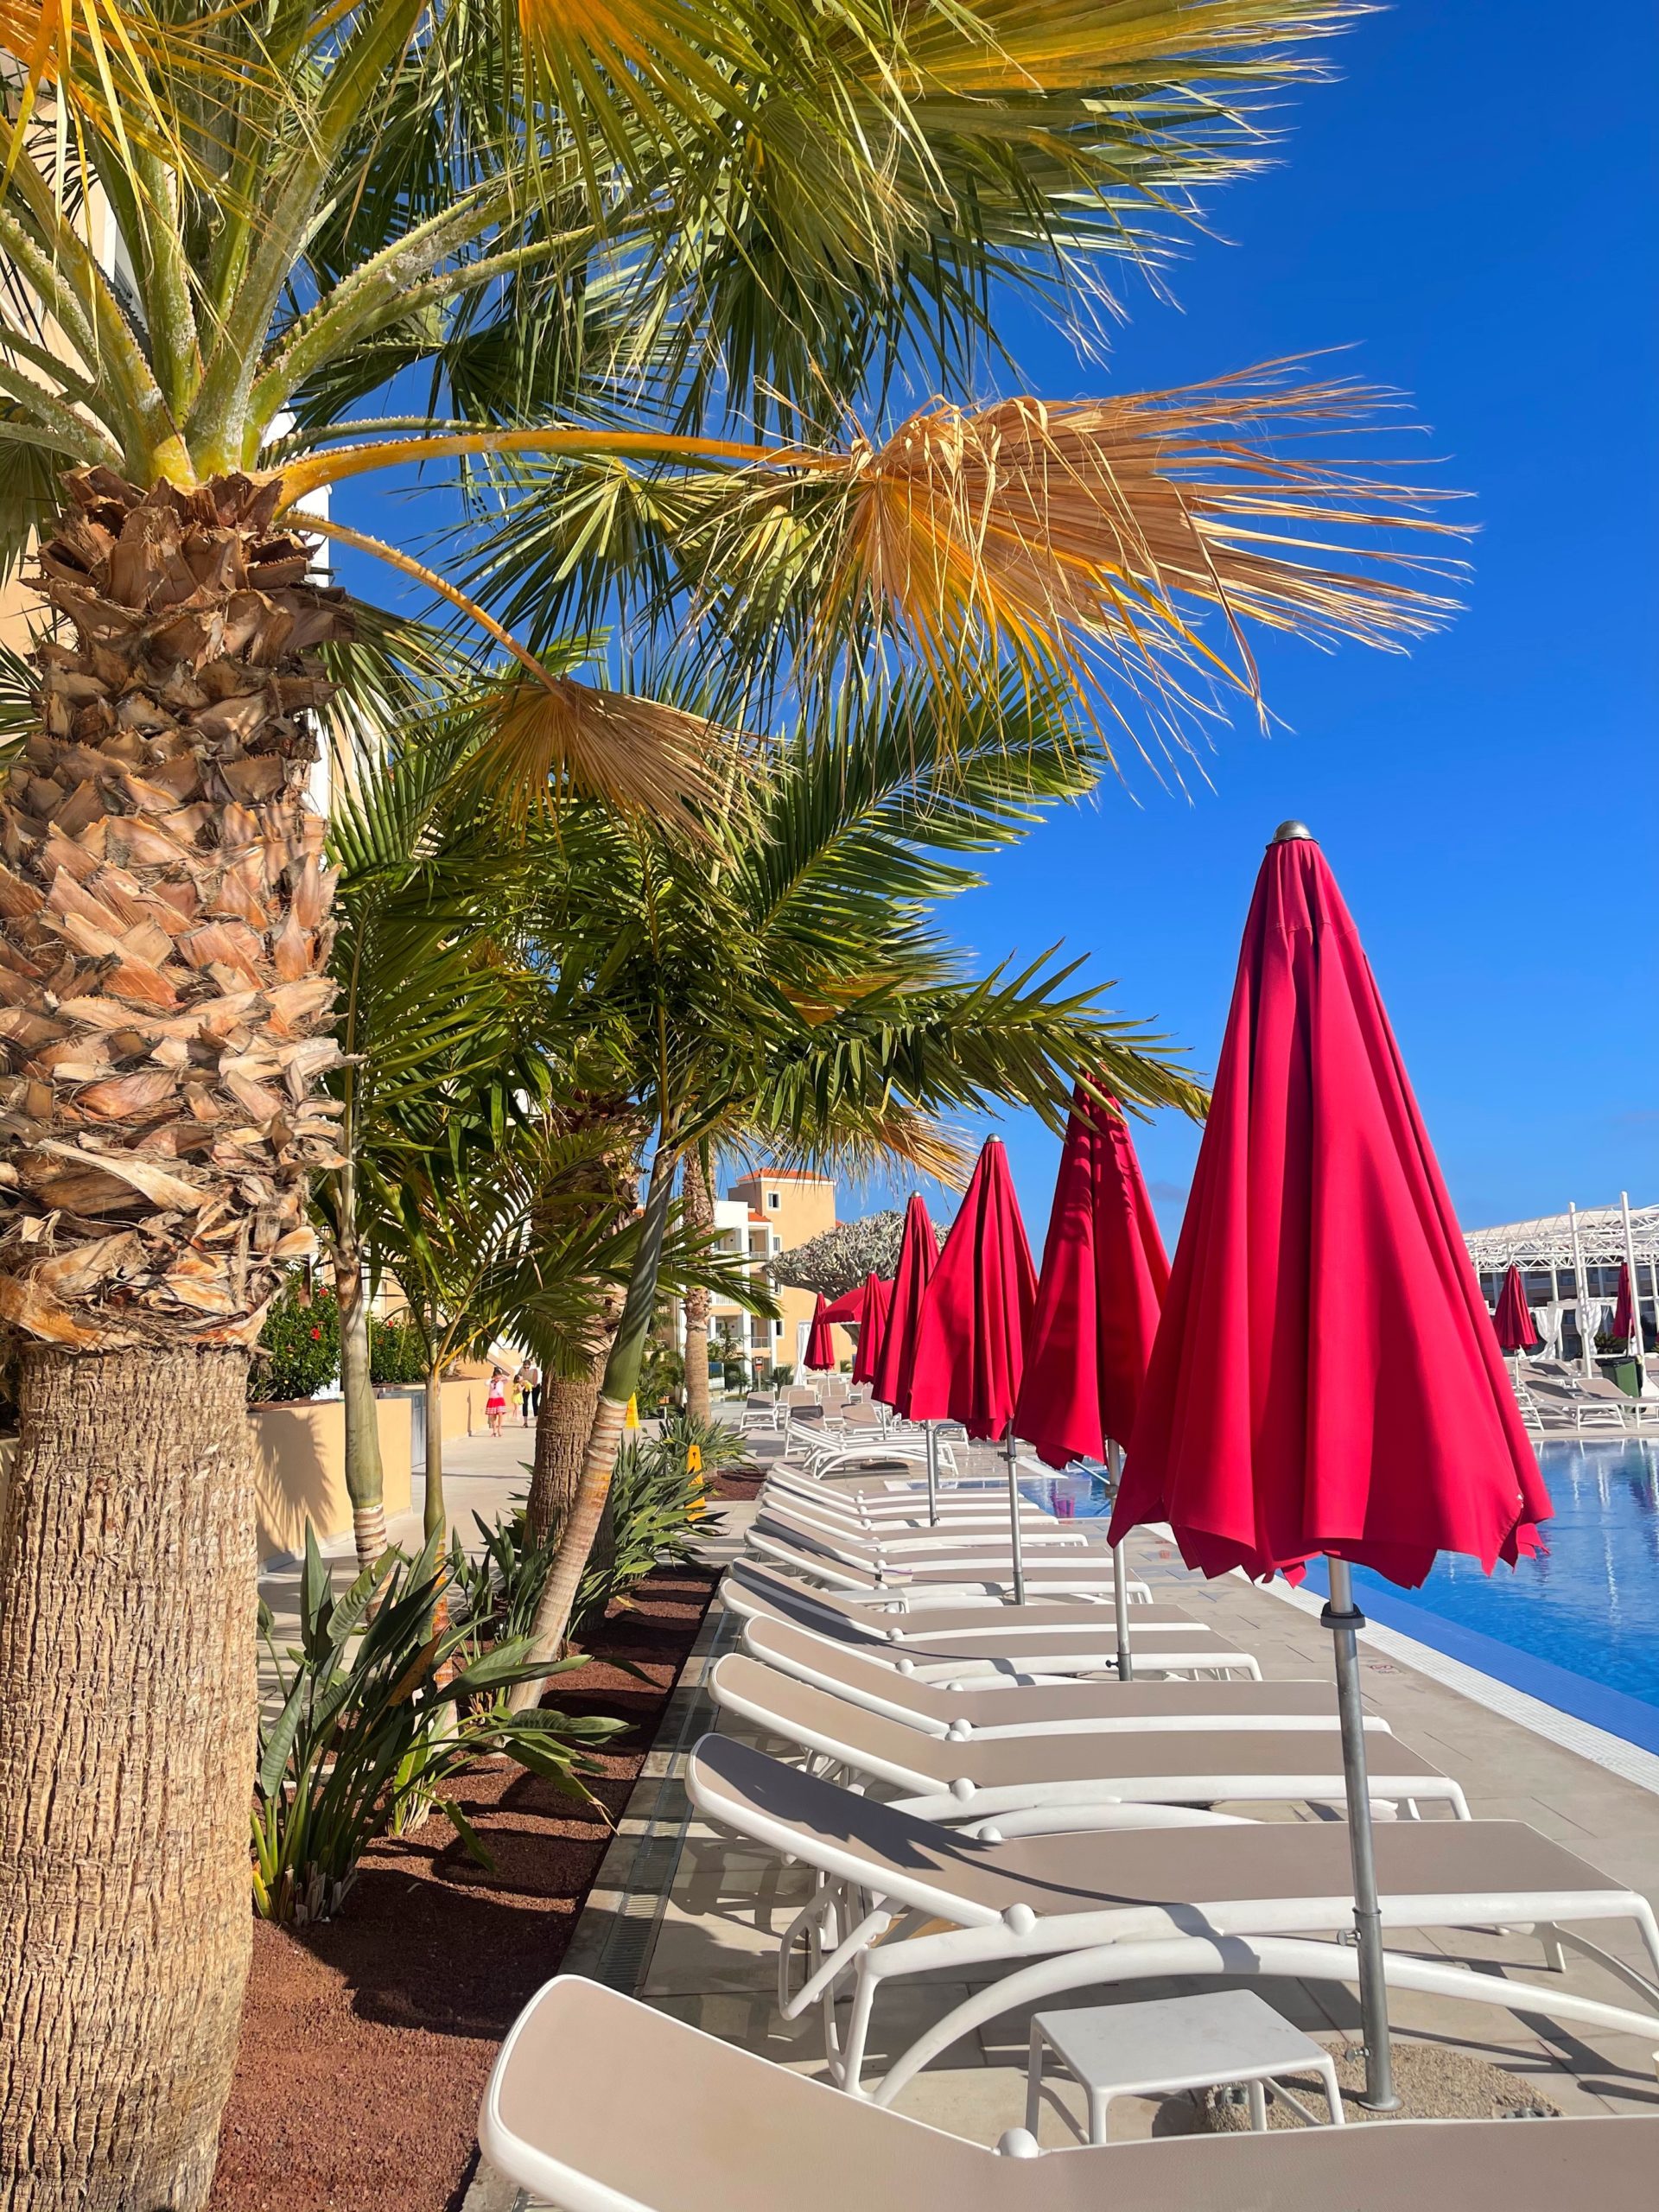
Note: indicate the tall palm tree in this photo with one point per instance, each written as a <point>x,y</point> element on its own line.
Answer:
<point>263,249</point>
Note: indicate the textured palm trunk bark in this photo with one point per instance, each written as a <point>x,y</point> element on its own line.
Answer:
<point>127,1707</point>
<point>562,1427</point>
<point>697,1208</point>
<point>165,1012</point>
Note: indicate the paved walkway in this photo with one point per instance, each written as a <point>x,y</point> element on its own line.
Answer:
<point>688,1919</point>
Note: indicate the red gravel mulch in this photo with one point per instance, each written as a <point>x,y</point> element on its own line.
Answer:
<point>366,2041</point>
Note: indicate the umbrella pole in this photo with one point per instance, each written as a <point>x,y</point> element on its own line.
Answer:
<point>1013,1449</point>
<point>1120,1568</point>
<point>932,1436</point>
<point>1343,1618</point>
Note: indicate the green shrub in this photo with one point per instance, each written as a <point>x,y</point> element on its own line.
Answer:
<point>396,1353</point>
<point>782,1377</point>
<point>662,1378</point>
<point>298,1349</point>
<point>379,1710</point>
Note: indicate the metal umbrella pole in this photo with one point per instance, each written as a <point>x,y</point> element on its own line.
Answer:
<point>1120,1569</point>
<point>1343,1618</point>
<point>932,1436</point>
<point>1012,1447</point>
<point>1634,1344</point>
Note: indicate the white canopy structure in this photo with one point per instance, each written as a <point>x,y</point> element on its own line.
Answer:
<point>1579,1255</point>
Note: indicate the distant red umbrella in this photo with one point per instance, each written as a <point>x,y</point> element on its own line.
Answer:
<point>847,1309</point>
<point>1623,1307</point>
<point>918,1254</point>
<point>1513,1320</point>
<point>820,1344</point>
<point>1102,1282</point>
<point>872,1326</point>
<point>970,1346</point>
<point>1325,1376</point>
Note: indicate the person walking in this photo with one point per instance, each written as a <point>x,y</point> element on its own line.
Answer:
<point>529,1393</point>
<point>495,1406</point>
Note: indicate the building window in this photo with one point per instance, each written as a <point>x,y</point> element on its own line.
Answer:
<point>772,1200</point>
<point>777,1328</point>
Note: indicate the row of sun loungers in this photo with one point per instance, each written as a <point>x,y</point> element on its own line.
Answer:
<point>978,1797</point>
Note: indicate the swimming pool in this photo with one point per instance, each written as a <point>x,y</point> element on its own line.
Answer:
<point>1578,1628</point>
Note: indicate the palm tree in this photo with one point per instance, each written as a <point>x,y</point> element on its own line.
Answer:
<point>237,241</point>
<point>791,991</point>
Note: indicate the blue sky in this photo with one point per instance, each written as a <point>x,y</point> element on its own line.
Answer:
<point>1472,207</point>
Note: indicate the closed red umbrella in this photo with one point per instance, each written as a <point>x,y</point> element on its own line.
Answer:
<point>1098,1298</point>
<point>1325,1376</point>
<point>918,1255</point>
<point>820,1344</point>
<point>1624,1306</point>
<point>970,1347</point>
<point>1513,1320</point>
<point>872,1326</point>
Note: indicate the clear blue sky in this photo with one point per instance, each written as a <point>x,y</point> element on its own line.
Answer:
<point>1473,207</point>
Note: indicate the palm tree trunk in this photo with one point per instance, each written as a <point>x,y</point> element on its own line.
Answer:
<point>698,1207</point>
<point>164,937</point>
<point>562,1427</point>
<point>127,1705</point>
<point>432,1517</point>
<point>364,1475</point>
<point>552,1624</point>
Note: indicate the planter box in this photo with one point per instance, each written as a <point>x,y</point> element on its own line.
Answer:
<point>300,1469</point>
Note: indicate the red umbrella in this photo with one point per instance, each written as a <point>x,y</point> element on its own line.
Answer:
<point>1624,1309</point>
<point>1513,1320</point>
<point>917,1253</point>
<point>1098,1298</point>
<point>872,1327</point>
<point>1102,1283</point>
<point>820,1344</point>
<point>847,1308</point>
<point>1325,1376</point>
<point>970,1347</point>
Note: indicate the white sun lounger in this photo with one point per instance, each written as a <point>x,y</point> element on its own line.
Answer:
<point>1091,1909</point>
<point>1069,1573</point>
<point>874,1677</point>
<point>729,2132</point>
<point>875,1518</point>
<point>1030,1786</point>
<point>917,1534</point>
<point>1035,1642</point>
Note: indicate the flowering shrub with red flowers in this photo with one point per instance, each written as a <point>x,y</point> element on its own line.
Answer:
<point>298,1349</point>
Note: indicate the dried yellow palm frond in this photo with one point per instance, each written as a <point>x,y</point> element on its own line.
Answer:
<point>550,736</point>
<point>1063,535</point>
<point>1010,46</point>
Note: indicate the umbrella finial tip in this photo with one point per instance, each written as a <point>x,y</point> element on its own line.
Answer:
<point>1287,833</point>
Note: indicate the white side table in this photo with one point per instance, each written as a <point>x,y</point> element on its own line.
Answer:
<point>1175,2044</point>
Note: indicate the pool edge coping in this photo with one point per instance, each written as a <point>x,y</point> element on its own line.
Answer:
<point>1614,1753</point>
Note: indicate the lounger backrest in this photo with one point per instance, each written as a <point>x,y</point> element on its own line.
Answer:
<point>816,1720</point>
<point>842,1667</point>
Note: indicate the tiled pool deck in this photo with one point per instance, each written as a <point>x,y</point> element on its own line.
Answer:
<point>687,1920</point>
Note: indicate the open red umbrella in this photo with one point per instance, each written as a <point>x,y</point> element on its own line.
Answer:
<point>1325,1376</point>
<point>918,1254</point>
<point>820,1344</point>
<point>1098,1298</point>
<point>872,1326</point>
<point>847,1308</point>
<point>1623,1307</point>
<point>970,1346</point>
<point>1513,1320</point>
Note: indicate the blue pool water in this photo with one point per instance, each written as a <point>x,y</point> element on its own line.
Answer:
<point>1578,1628</point>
